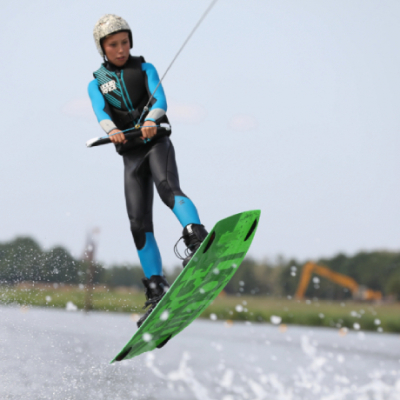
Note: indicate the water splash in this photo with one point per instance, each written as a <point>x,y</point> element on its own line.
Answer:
<point>319,379</point>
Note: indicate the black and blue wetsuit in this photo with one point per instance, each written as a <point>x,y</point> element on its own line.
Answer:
<point>118,97</point>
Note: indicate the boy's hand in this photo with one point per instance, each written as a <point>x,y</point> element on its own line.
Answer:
<point>116,136</point>
<point>149,129</point>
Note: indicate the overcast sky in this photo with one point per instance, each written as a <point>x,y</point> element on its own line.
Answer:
<point>291,107</point>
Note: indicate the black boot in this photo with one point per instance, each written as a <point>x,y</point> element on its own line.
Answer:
<point>193,235</point>
<point>155,289</point>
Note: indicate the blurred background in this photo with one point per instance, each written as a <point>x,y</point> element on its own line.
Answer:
<point>290,107</point>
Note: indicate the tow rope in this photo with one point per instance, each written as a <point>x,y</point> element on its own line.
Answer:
<point>146,108</point>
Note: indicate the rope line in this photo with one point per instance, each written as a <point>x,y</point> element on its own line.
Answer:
<point>146,108</point>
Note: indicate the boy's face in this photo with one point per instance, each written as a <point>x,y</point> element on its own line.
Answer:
<point>116,47</point>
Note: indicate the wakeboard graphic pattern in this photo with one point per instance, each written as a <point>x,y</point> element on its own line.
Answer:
<point>200,282</point>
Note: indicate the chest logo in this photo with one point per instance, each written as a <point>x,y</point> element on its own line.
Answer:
<point>108,87</point>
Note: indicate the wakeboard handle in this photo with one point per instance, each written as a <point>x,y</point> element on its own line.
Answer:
<point>162,130</point>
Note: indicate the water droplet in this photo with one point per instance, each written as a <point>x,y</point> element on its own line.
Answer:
<point>275,319</point>
<point>377,321</point>
<point>147,337</point>
<point>135,317</point>
<point>70,306</point>
<point>343,331</point>
<point>213,317</point>
<point>202,291</point>
<point>164,315</point>
<point>216,271</point>
<point>239,308</point>
<point>356,326</point>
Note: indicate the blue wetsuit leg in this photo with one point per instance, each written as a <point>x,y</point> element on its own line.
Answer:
<point>139,202</point>
<point>150,256</point>
<point>165,174</point>
<point>185,211</point>
<point>154,162</point>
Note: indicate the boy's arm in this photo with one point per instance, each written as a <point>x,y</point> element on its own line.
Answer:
<point>101,107</point>
<point>159,103</point>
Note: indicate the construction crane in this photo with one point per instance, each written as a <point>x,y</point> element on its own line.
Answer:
<point>359,292</point>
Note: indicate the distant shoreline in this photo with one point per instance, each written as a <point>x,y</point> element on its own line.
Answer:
<point>344,316</point>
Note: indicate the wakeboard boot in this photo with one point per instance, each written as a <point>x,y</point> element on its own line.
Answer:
<point>193,235</point>
<point>155,289</point>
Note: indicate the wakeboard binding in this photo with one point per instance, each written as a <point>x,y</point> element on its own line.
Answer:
<point>155,289</point>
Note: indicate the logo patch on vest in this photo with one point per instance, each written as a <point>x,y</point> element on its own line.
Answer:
<point>108,87</point>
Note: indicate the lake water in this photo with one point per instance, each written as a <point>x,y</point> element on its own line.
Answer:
<point>56,354</point>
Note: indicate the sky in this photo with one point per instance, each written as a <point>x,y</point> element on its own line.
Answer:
<point>290,107</point>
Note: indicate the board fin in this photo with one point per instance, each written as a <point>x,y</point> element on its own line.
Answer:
<point>123,354</point>
<point>163,343</point>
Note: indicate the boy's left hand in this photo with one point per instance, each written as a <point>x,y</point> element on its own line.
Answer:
<point>149,129</point>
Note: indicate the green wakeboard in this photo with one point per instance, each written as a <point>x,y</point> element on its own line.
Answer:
<point>200,282</point>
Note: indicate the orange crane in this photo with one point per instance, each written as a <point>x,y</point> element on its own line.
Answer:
<point>359,292</point>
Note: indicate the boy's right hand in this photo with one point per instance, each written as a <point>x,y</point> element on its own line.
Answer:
<point>116,136</point>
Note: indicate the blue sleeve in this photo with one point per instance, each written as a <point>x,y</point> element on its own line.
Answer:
<point>160,103</point>
<point>101,107</point>
<point>98,102</point>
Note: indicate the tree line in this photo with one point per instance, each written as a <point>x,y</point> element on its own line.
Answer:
<point>22,259</point>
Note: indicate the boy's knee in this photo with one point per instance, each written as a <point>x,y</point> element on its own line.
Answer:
<point>138,233</point>
<point>167,194</point>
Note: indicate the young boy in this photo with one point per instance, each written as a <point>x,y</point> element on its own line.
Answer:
<point>121,89</point>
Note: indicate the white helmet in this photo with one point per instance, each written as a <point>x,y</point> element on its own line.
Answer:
<point>107,25</point>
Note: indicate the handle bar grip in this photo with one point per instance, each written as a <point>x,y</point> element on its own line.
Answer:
<point>163,130</point>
